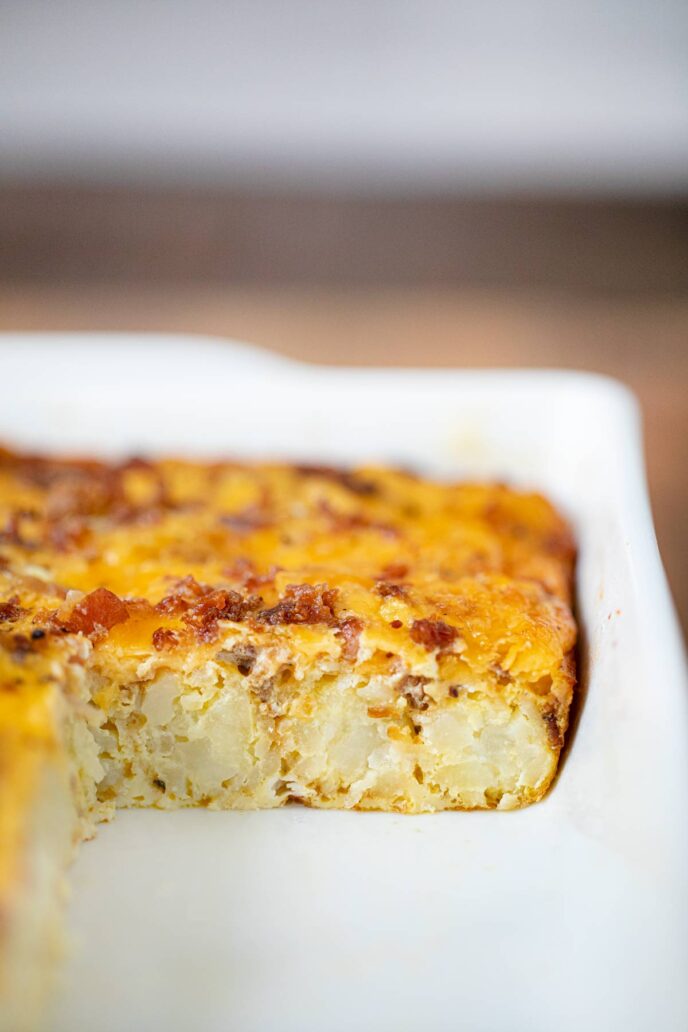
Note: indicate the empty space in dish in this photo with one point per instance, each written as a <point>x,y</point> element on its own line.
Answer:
<point>567,913</point>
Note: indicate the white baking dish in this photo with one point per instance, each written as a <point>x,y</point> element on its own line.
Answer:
<point>571,914</point>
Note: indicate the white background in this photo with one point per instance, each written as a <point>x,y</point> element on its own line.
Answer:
<point>585,96</point>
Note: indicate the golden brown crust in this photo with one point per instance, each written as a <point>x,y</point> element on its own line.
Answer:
<point>158,558</point>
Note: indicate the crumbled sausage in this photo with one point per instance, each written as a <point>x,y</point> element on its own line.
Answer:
<point>243,655</point>
<point>412,687</point>
<point>264,690</point>
<point>350,631</point>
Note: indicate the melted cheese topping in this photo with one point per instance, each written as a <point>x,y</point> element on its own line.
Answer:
<point>138,562</point>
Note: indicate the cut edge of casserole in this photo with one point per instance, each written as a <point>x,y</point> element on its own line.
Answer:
<point>244,636</point>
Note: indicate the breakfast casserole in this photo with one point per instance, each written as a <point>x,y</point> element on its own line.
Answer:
<point>241,636</point>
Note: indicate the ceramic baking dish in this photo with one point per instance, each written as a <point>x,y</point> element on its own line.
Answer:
<point>570,914</point>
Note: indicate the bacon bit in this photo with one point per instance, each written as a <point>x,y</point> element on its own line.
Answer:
<point>394,571</point>
<point>345,521</point>
<point>433,634</point>
<point>412,688</point>
<point>396,624</point>
<point>353,482</point>
<point>164,638</point>
<point>303,604</point>
<point>246,521</point>
<point>218,605</point>
<point>188,591</point>
<point>350,631</point>
<point>387,590</point>
<point>10,610</point>
<point>202,606</point>
<point>245,572</point>
<point>100,610</point>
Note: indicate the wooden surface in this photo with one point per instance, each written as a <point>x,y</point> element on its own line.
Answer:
<point>59,232</point>
<point>642,341</point>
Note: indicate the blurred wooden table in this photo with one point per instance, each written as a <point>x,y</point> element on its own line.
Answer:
<point>642,341</point>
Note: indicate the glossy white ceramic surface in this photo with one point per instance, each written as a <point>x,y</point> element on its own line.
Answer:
<point>569,915</point>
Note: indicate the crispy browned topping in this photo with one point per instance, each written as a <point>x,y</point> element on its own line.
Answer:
<point>164,638</point>
<point>213,606</point>
<point>10,610</point>
<point>303,604</point>
<point>101,610</point>
<point>348,521</point>
<point>244,571</point>
<point>433,634</point>
<point>187,593</point>
<point>388,590</point>
<point>351,481</point>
